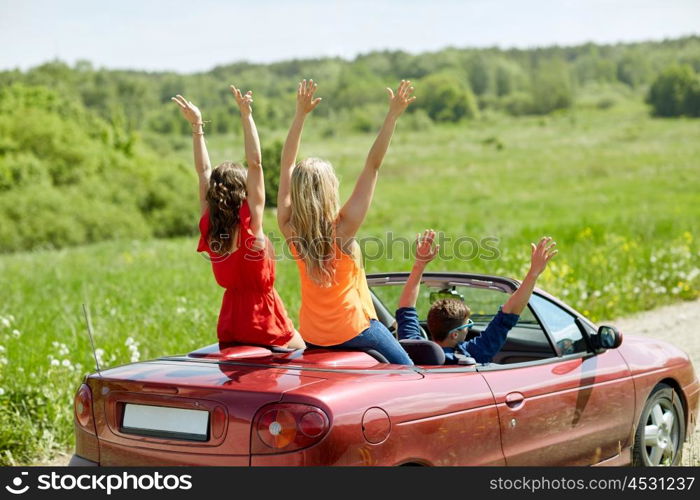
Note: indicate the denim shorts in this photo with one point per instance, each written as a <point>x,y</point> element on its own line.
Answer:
<point>380,339</point>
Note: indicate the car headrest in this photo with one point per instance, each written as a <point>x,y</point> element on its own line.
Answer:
<point>423,352</point>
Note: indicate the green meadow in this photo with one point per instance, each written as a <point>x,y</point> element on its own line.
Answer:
<point>617,189</point>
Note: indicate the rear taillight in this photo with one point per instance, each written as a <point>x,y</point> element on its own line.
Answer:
<point>284,427</point>
<point>83,409</point>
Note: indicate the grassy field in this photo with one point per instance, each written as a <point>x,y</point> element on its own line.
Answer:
<point>617,190</point>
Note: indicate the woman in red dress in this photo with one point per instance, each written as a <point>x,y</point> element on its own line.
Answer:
<point>231,233</point>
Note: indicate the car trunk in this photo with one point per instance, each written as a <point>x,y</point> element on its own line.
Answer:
<point>184,412</point>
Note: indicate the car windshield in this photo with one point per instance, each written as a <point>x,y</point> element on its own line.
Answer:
<point>483,302</point>
<point>526,341</point>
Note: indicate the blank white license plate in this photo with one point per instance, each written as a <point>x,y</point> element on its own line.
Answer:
<point>166,422</point>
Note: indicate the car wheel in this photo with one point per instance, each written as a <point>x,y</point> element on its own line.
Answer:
<point>661,430</point>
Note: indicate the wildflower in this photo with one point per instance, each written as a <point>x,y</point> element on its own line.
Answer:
<point>5,322</point>
<point>2,348</point>
<point>129,341</point>
<point>2,391</point>
<point>3,361</point>
<point>652,259</point>
<point>66,363</point>
<point>180,310</point>
<point>54,362</point>
<point>135,356</point>
<point>16,333</point>
<point>597,293</point>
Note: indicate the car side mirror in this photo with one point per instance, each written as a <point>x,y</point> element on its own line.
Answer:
<point>608,337</point>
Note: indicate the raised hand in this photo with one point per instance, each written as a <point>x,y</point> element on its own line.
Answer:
<point>305,97</point>
<point>399,102</point>
<point>542,254</point>
<point>425,250</point>
<point>189,110</point>
<point>244,101</point>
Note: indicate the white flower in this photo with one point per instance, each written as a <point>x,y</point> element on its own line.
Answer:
<point>2,348</point>
<point>2,391</point>
<point>66,363</point>
<point>54,362</point>
<point>5,322</point>
<point>652,259</point>
<point>597,293</point>
<point>135,356</point>
<point>129,341</point>
<point>3,361</point>
<point>180,310</point>
<point>15,333</point>
<point>113,312</point>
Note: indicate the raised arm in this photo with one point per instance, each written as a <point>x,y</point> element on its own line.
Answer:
<point>255,184</point>
<point>355,209</point>
<point>541,255</point>
<point>425,252</point>
<point>305,104</point>
<point>201,155</point>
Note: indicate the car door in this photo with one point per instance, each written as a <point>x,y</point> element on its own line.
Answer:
<point>571,408</point>
<point>453,419</point>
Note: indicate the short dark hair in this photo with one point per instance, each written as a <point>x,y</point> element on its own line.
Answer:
<point>444,315</point>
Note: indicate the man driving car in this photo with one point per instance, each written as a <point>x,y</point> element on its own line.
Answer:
<point>449,319</point>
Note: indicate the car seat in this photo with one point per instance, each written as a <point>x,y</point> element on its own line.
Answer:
<point>423,352</point>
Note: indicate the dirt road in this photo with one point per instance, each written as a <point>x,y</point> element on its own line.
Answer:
<point>679,324</point>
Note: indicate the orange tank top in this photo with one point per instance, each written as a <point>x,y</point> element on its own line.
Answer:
<point>334,314</point>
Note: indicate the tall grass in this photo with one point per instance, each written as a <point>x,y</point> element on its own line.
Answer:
<point>616,189</point>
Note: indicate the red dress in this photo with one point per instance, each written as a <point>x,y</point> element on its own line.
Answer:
<point>251,311</point>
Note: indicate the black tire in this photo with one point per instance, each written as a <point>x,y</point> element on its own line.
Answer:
<point>655,441</point>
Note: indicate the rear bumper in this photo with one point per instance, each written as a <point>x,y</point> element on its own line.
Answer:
<point>77,461</point>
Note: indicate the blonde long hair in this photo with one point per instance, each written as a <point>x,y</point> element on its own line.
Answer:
<point>314,194</point>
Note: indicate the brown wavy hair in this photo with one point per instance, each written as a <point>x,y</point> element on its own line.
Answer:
<point>226,194</point>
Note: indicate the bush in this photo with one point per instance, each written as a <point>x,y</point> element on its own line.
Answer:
<point>551,88</point>
<point>70,178</point>
<point>675,92</point>
<point>517,104</point>
<point>450,99</point>
<point>271,156</point>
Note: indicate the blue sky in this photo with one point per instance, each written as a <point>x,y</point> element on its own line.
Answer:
<point>196,36</point>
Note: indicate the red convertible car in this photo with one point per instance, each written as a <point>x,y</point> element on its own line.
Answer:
<point>560,392</point>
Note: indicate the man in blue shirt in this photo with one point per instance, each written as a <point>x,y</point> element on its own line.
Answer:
<point>448,319</point>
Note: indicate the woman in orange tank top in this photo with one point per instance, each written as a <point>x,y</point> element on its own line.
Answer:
<point>336,305</point>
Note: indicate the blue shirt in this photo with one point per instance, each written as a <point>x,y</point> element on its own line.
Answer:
<point>482,348</point>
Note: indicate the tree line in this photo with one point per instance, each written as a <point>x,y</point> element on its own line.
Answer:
<point>73,170</point>
<point>463,83</point>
